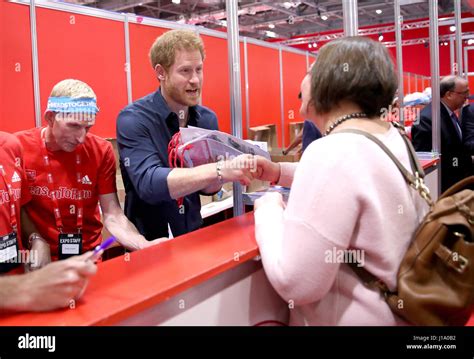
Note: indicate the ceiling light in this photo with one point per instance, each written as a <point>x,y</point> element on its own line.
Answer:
<point>324,17</point>
<point>270,34</point>
<point>380,37</point>
<point>176,2</point>
<point>271,26</point>
<point>470,41</point>
<point>445,43</point>
<point>378,11</point>
<point>310,46</point>
<point>452,28</point>
<point>287,4</point>
<point>224,23</point>
<point>315,45</point>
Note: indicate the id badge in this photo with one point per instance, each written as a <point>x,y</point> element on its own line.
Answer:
<point>70,244</point>
<point>9,249</point>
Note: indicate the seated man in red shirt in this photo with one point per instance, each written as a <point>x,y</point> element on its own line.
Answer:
<point>52,287</point>
<point>13,194</point>
<point>69,172</point>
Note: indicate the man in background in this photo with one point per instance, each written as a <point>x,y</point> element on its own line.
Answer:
<point>455,161</point>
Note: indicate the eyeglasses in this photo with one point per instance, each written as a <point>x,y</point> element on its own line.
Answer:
<point>465,93</point>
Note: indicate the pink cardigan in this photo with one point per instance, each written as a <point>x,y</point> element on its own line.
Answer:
<point>346,195</point>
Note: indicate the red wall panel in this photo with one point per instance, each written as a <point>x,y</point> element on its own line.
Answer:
<point>405,82</point>
<point>264,87</point>
<point>216,88</point>
<point>471,83</point>
<point>89,49</point>
<point>243,87</point>
<point>412,84</point>
<point>426,83</point>
<point>294,70</point>
<point>16,74</point>
<point>421,85</point>
<point>470,60</point>
<point>144,79</point>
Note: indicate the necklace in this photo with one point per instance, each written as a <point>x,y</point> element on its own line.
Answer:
<point>344,118</point>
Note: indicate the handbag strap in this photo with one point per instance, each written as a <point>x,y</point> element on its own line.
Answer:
<point>415,180</point>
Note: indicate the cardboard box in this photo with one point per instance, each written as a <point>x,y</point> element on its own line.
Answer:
<point>256,185</point>
<point>205,200</point>
<point>277,156</point>
<point>225,192</point>
<point>265,133</point>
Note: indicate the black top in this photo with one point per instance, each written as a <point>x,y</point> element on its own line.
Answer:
<point>310,133</point>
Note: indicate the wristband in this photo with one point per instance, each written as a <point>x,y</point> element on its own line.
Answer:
<point>33,237</point>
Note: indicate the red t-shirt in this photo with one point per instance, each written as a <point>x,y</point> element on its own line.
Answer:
<point>98,177</point>
<point>11,158</point>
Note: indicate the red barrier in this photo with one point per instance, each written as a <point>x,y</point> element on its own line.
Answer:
<point>264,87</point>
<point>16,73</point>
<point>294,70</point>
<point>143,77</point>
<point>215,92</point>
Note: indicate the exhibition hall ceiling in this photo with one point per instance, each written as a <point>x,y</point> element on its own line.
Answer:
<point>284,20</point>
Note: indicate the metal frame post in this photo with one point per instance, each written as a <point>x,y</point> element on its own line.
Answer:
<point>434,64</point>
<point>457,18</point>
<point>233,49</point>
<point>351,20</point>
<point>398,40</point>
<point>34,59</point>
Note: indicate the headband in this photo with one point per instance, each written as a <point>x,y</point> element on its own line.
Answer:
<point>72,105</point>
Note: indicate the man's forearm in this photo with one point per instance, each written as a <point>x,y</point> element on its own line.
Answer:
<point>184,181</point>
<point>124,231</point>
<point>12,294</point>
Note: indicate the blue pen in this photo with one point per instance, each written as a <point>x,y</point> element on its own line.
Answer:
<point>99,250</point>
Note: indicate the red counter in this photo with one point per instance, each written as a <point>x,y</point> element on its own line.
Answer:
<point>127,285</point>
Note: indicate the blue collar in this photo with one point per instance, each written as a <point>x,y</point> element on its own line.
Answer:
<point>171,119</point>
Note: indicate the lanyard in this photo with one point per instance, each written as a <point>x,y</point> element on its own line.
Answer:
<point>50,179</point>
<point>13,221</point>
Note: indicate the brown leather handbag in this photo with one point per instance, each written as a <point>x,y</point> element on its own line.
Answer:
<point>435,281</point>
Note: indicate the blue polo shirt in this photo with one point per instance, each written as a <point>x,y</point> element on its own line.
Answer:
<point>144,129</point>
